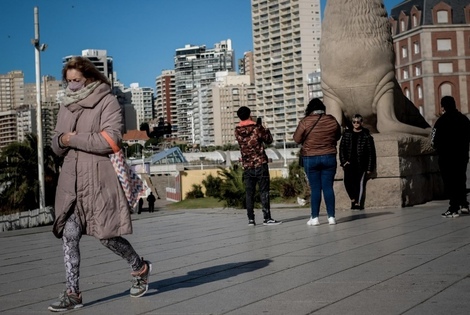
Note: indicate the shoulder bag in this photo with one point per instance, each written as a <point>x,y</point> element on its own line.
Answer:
<point>133,186</point>
<point>301,158</point>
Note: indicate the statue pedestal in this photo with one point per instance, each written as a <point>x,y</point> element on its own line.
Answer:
<point>407,174</point>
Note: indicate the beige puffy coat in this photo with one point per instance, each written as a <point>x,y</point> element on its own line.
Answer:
<point>88,184</point>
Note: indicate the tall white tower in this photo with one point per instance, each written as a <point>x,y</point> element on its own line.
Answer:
<point>286,43</point>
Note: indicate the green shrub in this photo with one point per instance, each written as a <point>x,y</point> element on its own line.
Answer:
<point>212,185</point>
<point>195,193</point>
<point>232,189</point>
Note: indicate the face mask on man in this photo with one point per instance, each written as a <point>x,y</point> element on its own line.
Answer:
<point>75,86</point>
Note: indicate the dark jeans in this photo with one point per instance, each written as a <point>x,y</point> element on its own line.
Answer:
<point>454,177</point>
<point>321,170</point>
<point>260,176</point>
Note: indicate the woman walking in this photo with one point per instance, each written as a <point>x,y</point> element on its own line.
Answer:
<point>89,198</point>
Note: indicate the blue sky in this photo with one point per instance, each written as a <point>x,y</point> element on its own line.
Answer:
<point>140,35</point>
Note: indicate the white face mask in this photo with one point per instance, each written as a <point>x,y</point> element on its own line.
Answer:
<point>75,86</point>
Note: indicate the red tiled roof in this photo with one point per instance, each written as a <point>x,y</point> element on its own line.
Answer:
<point>135,135</point>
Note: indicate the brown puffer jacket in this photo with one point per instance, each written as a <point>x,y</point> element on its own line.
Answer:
<point>322,139</point>
<point>251,139</point>
<point>88,184</point>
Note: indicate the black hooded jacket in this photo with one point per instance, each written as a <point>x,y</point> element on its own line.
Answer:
<point>366,155</point>
<point>451,135</point>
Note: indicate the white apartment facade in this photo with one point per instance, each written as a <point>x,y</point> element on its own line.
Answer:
<point>286,43</point>
<point>215,108</point>
<point>195,67</point>
<point>142,100</point>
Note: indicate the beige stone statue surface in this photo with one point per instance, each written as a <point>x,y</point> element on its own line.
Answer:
<point>357,61</point>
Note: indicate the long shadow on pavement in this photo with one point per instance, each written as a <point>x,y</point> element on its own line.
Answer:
<point>196,277</point>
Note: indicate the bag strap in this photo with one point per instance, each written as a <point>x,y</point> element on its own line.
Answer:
<point>110,141</point>
<point>304,138</point>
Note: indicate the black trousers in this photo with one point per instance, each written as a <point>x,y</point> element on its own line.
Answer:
<point>355,183</point>
<point>252,177</point>
<point>454,177</point>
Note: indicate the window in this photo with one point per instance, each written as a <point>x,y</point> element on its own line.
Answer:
<point>405,74</point>
<point>446,89</point>
<point>420,92</point>
<point>404,52</point>
<point>442,17</point>
<point>402,26</point>
<point>415,20</point>
<point>444,44</point>
<point>416,48</point>
<point>445,67</point>
<point>407,93</point>
<point>417,71</point>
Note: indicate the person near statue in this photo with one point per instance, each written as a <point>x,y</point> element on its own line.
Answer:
<point>450,138</point>
<point>140,205</point>
<point>151,202</point>
<point>358,159</point>
<point>319,133</point>
<point>252,137</point>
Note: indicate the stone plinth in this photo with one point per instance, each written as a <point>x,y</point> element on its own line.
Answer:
<point>407,174</point>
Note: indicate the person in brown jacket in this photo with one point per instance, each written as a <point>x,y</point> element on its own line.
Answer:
<point>251,138</point>
<point>319,156</point>
<point>89,197</point>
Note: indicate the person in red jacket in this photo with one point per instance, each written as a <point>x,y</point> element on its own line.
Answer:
<point>251,138</point>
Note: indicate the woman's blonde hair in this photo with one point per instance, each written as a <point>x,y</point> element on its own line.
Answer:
<point>86,67</point>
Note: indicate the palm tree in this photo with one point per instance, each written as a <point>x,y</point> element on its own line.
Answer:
<point>19,184</point>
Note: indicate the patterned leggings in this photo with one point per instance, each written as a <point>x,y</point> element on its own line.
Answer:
<point>71,240</point>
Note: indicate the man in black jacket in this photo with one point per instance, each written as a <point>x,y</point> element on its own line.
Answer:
<point>358,158</point>
<point>451,138</point>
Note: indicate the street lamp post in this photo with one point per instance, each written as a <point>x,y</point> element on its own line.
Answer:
<point>285,152</point>
<point>38,48</point>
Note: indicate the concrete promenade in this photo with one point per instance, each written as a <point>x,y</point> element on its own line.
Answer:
<point>376,261</point>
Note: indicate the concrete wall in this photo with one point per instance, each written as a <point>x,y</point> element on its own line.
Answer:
<point>26,219</point>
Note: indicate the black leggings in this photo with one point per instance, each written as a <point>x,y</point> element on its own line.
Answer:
<point>355,184</point>
<point>71,242</point>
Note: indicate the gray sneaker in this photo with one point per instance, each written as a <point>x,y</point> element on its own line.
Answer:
<point>67,301</point>
<point>140,283</point>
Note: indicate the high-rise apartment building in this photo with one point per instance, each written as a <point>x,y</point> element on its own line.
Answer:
<point>245,66</point>
<point>286,43</point>
<point>432,45</point>
<point>142,99</point>
<point>11,98</point>
<point>51,90</point>
<point>100,59</point>
<point>165,102</point>
<point>195,67</point>
<point>11,90</point>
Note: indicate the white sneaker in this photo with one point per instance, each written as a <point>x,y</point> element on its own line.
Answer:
<point>331,221</point>
<point>464,209</point>
<point>313,221</point>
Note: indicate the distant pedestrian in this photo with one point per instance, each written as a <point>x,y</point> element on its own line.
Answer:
<point>90,199</point>
<point>318,133</point>
<point>358,158</point>
<point>251,138</point>
<point>451,138</point>
<point>140,205</point>
<point>151,201</point>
